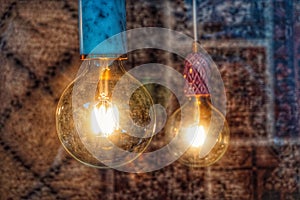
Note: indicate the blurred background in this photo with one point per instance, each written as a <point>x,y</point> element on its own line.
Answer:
<point>256,45</point>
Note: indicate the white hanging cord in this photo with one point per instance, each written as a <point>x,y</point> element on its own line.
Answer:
<point>195,21</point>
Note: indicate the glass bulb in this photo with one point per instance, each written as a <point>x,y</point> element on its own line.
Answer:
<point>98,121</point>
<point>203,131</point>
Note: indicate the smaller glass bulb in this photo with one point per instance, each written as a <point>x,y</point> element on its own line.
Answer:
<point>203,131</point>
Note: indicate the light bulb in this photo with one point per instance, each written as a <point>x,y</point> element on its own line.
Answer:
<point>97,127</point>
<point>203,130</point>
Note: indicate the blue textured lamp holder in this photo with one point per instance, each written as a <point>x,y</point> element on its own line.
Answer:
<point>98,21</point>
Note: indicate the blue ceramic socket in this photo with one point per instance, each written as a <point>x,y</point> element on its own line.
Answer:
<point>98,21</point>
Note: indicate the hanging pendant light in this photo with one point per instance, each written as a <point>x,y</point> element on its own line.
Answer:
<point>93,127</point>
<point>204,129</point>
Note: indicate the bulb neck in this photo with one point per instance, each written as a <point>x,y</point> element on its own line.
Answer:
<point>109,72</point>
<point>204,109</point>
<point>203,100</point>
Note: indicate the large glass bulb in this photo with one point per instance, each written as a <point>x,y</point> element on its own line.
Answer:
<point>100,122</point>
<point>203,131</point>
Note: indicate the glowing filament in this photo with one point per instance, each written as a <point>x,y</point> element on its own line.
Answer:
<point>196,136</point>
<point>105,119</point>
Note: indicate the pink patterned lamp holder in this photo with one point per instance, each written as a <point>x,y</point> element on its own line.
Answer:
<point>196,73</point>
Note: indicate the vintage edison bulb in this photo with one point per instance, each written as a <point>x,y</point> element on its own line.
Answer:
<point>203,132</point>
<point>95,128</point>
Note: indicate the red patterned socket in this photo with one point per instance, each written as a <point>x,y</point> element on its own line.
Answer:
<point>196,73</point>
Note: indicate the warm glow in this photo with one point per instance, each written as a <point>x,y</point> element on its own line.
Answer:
<point>105,119</point>
<point>196,136</point>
